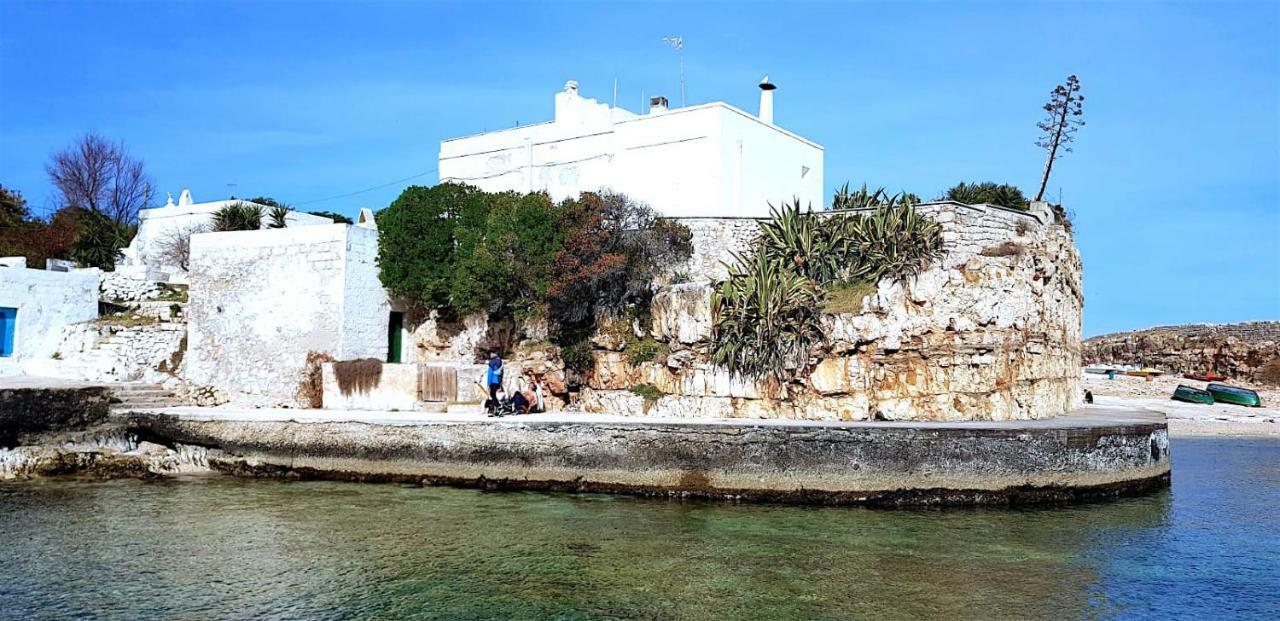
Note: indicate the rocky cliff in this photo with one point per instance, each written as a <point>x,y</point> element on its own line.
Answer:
<point>1245,352</point>
<point>990,332</point>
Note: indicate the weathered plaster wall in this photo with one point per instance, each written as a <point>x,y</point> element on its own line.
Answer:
<point>260,301</point>
<point>990,332</point>
<point>1248,352</point>
<point>397,389</point>
<point>48,304</point>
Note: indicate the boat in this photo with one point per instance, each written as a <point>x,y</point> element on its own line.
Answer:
<point>1207,376</point>
<point>1191,394</point>
<point>1235,395</point>
<point>1147,372</point>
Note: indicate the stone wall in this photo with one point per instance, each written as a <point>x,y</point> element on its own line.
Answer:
<point>261,301</point>
<point>714,241</point>
<point>990,332</point>
<point>1245,352</point>
<point>150,352</point>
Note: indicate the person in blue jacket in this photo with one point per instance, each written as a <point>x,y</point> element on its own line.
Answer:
<point>494,379</point>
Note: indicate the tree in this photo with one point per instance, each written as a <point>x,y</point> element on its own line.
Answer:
<point>1065,106</point>
<point>336,217</point>
<point>13,207</point>
<point>174,247</point>
<point>417,240</point>
<point>99,175</point>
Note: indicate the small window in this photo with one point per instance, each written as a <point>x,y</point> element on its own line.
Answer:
<point>804,171</point>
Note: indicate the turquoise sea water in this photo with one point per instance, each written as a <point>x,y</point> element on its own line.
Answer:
<point>214,547</point>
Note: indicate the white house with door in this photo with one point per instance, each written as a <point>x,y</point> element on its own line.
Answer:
<point>705,160</point>
<point>37,307</point>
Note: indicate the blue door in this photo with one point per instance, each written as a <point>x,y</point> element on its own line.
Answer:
<point>8,321</point>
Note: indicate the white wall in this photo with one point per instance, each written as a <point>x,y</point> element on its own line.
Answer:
<point>156,226</point>
<point>48,303</point>
<point>262,300</point>
<point>705,160</point>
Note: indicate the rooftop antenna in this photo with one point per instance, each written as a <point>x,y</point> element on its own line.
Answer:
<point>677,43</point>
<point>231,190</point>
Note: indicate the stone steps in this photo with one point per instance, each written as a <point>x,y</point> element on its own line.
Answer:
<point>132,396</point>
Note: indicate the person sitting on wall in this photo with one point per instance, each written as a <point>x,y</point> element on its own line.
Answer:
<point>520,402</point>
<point>494,379</point>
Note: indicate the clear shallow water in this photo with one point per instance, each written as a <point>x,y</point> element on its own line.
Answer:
<point>222,548</point>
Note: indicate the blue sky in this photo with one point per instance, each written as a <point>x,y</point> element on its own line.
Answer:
<point>1174,182</point>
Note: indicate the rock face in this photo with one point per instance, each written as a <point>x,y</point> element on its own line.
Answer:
<point>1246,352</point>
<point>990,332</point>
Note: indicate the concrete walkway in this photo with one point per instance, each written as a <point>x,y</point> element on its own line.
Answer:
<point>1087,416</point>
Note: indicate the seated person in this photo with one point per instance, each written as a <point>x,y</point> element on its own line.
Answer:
<point>520,402</point>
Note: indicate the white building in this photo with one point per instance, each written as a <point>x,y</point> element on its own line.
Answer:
<point>37,307</point>
<point>159,227</point>
<point>263,302</point>
<point>705,160</point>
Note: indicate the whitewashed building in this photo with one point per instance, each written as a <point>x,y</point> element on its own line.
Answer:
<point>38,306</point>
<point>161,226</point>
<point>263,302</point>
<point>705,160</point>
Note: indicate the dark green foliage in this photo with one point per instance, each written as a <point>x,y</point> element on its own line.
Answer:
<point>504,261</point>
<point>99,241</point>
<point>336,217</point>
<point>279,215</point>
<point>13,207</point>
<point>866,198</point>
<point>766,316</point>
<point>238,216</point>
<point>767,319</point>
<point>643,350</point>
<point>267,201</point>
<point>989,192</point>
<point>417,246</point>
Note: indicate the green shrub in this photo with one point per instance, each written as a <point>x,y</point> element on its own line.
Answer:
<point>644,350</point>
<point>649,392</point>
<point>99,240</point>
<point>238,216</point>
<point>766,319</point>
<point>336,217</point>
<point>847,297</point>
<point>417,243</point>
<point>866,198</point>
<point>989,192</point>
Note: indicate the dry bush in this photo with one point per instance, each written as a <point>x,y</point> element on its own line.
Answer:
<point>847,297</point>
<point>357,376</point>
<point>174,247</point>
<point>311,388</point>
<point>1004,249</point>
<point>1023,227</point>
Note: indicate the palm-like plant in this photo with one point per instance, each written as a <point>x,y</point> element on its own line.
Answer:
<point>766,320</point>
<point>279,216</point>
<point>866,198</point>
<point>238,216</point>
<point>989,192</point>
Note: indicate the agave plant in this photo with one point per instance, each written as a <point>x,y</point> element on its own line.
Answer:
<point>279,216</point>
<point>989,192</point>
<point>802,241</point>
<point>866,198</point>
<point>238,216</point>
<point>891,242</point>
<point>766,320</point>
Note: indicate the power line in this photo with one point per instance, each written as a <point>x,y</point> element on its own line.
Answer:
<point>376,187</point>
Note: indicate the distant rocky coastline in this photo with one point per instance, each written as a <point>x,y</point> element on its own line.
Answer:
<point>1246,352</point>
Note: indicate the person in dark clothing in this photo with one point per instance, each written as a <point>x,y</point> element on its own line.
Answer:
<point>520,402</point>
<point>494,379</point>
<point>1088,396</point>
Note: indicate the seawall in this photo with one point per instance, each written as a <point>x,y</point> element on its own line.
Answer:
<point>1094,455</point>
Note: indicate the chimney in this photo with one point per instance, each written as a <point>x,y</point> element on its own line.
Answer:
<point>657,105</point>
<point>766,100</point>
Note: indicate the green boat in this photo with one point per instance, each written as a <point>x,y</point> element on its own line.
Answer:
<point>1223,393</point>
<point>1191,394</point>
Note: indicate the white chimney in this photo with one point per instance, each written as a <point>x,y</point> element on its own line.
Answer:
<point>766,100</point>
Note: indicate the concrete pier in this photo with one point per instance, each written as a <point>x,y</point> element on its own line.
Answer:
<point>1092,453</point>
